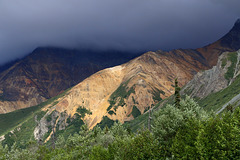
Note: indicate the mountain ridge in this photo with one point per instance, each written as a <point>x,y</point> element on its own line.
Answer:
<point>46,72</point>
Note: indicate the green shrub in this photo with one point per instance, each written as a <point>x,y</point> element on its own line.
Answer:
<point>135,112</point>
<point>232,57</point>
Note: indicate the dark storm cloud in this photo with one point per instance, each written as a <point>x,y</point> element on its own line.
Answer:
<point>112,24</point>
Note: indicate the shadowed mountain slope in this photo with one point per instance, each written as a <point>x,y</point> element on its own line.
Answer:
<point>46,72</point>
<point>126,91</point>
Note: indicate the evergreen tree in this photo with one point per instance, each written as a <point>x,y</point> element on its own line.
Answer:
<point>177,94</point>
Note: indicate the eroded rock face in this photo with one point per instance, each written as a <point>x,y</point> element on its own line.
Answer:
<point>142,82</point>
<point>213,80</point>
<point>41,129</point>
<point>46,72</point>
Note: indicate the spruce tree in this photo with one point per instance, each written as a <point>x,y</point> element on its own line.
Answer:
<point>177,94</point>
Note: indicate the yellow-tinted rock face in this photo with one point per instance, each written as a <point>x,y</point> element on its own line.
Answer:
<point>49,71</point>
<point>46,72</point>
<point>141,82</point>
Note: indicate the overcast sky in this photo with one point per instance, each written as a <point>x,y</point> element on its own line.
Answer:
<point>112,24</point>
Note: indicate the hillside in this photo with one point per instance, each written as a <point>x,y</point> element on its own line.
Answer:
<point>229,42</point>
<point>124,92</point>
<point>47,72</point>
<point>213,89</point>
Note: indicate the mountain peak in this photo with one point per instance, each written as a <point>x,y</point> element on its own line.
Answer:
<point>237,22</point>
<point>232,38</point>
<point>237,25</point>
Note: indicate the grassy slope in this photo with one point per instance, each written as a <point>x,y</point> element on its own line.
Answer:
<point>10,120</point>
<point>216,100</point>
<point>142,120</point>
<point>213,102</point>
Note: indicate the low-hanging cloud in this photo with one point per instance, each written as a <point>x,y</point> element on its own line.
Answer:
<point>134,25</point>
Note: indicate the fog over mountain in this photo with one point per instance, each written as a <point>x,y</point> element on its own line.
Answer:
<point>132,25</point>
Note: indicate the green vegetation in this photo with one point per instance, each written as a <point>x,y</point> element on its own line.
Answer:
<point>216,100</point>
<point>177,94</point>
<point>186,133</point>
<point>157,94</point>
<point>21,135</point>
<point>121,93</point>
<point>224,62</point>
<point>74,123</point>
<point>9,120</point>
<point>106,122</point>
<point>23,122</point>
<point>138,123</point>
<point>83,111</point>
<point>135,112</point>
<point>232,57</point>
<point>111,112</point>
<point>141,121</point>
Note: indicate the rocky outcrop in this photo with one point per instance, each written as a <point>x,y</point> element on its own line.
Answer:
<point>215,79</point>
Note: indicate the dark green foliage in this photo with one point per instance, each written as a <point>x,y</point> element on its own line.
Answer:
<point>183,145</point>
<point>141,121</point>
<point>135,112</point>
<point>83,111</point>
<point>133,100</point>
<point>121,93</point>
<point>216,138</point>
<point>77,121</point>
<point>106,122</point>
<point>224,62</point>
<point>232,57</point>
<point>109,107</point>
<point>230,108</point>
<point>177,94</point>
<point>99,153</point>
<point>74,123</point>
<point>49,118</point>
<point>186,133</point>
<point>111,112</point>
<point>146,109</point>
<point>157,93</point>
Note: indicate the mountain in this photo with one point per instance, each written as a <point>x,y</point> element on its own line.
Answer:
<point>48,71</point>
<point>119,93</point>
<point>123,92</point>
<point>126,91</point>
<point>219,86</point>
<point>230,42</point>
<point>214,89</point>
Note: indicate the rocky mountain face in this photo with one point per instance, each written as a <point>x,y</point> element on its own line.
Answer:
<point>46,72</point>
<point>135,86</point>
<point>215,79</point>
<point>230,42</point>
<point>125,91</point>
